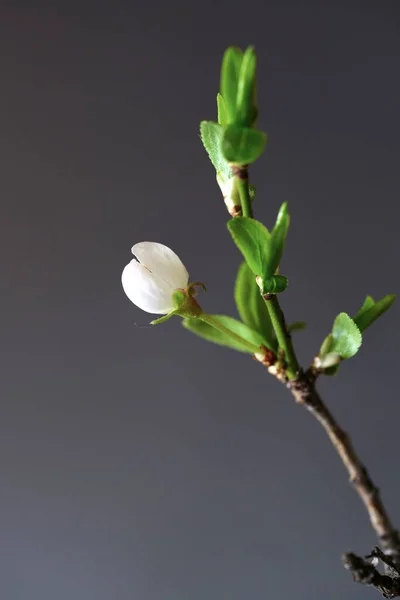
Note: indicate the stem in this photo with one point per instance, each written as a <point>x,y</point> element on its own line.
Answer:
<point>302,386</point>
<point>210,320</point>
<point>242,181</point>
<point>282,335</point>
<point>305,394</point>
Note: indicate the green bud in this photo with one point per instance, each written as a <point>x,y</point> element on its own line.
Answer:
<point>273,285</point>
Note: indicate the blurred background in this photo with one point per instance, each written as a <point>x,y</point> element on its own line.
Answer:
<point>143,463</point>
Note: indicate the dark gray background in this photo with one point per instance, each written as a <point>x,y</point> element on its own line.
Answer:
<point>142,463</point>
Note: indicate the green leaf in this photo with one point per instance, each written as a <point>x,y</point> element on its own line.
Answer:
<point>326,360</point>
<point>211,135</point>
<point>251,306</point>
<point>331,371</point>
<point>230,70</point>
<point>242,145</point>
<point>246,111</point>
<point>253,241</point>
<point>209,333</point>
<point>326,345</point>
<point>274,285</point>
<point>346,337</point>
<point>297,326</point>
<point>278,235</point>
<point>344,342</point>
<point>371,310</point>
<point>221,107</point>
<point>252,191</point>
<point>368,303</point>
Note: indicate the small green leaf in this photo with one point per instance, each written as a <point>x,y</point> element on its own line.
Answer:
<point>273,285</point>
<point>246,111</point>
<point>242,145</point>
<point>326,345</point>
<point>209,333</point>
<point>251,307</point>
<point>253,241</point>
<point>371,311</point>
<point>325,359</point>
<point>331,371</point>
<point>344,342</point>
<point>346,337</point>
<point>252,191</point>
<point>278,235</point>
<point>211,135</point>
<point>297,326</point>
<point>221,107</point>
<point>230,70</point>
<point>367,304</point>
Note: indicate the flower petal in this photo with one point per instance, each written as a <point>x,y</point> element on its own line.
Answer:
<point>162,261</point>
<point>145,289</point>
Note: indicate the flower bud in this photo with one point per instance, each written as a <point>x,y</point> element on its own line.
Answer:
<point>151,278</point>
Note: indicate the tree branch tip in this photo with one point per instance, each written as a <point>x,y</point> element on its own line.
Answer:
<point>366,573</point>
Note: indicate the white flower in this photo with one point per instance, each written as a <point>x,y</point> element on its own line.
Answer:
<point>149,281</point>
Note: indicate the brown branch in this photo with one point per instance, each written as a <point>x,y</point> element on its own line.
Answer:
<point>390,566</point>
<point>366,573</point>
<point>305,394</point>
<point>304,391</point>
<point>302,386</point>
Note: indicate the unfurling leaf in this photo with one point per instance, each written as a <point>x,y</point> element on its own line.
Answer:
<point>371,310</point>
<point>274,285</point>
<point>211,135</point>
<point>251,306</point>
<point>246,110</point>
<point>230,69</point>
<point>278,235</point>
<point>242,145</point>
<point>345,339</point>
<point>367,304</point>
<point>209,333</point>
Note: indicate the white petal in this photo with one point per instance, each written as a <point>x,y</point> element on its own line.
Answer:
<point>148,291</point>
<point>162,261</point>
